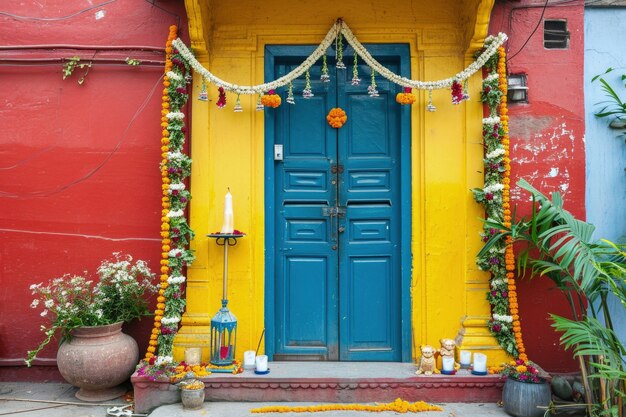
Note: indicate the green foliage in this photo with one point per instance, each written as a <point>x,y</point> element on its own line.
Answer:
<point>133,62</point>
<point>73,63</point>
<point>558,246</point>
<point>613,108</point>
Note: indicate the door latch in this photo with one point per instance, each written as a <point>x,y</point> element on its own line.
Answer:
<point>336,169</point>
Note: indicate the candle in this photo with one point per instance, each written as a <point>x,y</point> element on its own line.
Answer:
<point>249,357</point>
<point>466,358</point>
<point>229,221</point>
<point>448,363</point>
<point>261,363</point>
<point>193,356</point>
<point>480,362</point>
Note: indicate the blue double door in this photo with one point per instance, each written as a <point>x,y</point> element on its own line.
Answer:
<point>336,207</point>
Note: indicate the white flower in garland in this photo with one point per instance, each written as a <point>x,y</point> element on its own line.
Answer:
<point>493,188</point>
<point>491,120</point>
<point>175,115</point>
<point>491,78</point>
<point>498,282</point>
<point>175,156</point>
<point>169,320</point>
<point>495,153</point>
<point>174,253</point>
<point>503,318</point>
<point>179,186</point>
<point>173,76</point>
<point>176,279</point>
<point>175,213</point>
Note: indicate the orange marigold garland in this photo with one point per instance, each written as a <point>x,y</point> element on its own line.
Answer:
<point>399,406</point>
<point>495,196</point>
<point>175,232</point>
<point>336,117</point>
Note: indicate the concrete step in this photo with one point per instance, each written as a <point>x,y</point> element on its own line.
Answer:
<point>331,382</point>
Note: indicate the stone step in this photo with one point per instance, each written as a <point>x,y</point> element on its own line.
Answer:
<point>334,382</point>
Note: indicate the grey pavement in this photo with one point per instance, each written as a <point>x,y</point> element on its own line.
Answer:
<point>57,400</point>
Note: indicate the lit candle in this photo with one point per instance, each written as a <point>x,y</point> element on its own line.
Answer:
<point>448,363</point>
<point>261,363</point>
<point>249,359</point>
<point>480,362</point>
<point>466,358</point>
<point>229,222</point>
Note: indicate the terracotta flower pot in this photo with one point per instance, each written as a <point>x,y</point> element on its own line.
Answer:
<point>97,360</point>
<point>522,398</point>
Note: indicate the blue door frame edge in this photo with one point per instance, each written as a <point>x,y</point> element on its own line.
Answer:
<point>396,50</point>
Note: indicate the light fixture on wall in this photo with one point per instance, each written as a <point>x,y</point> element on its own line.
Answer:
<point>518,90</point>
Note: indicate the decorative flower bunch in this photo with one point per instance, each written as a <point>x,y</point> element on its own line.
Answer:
<point>521,370</point>
<point>221,100</point>
<point>406,97</point>
<point>336,117</point>
<point>175,231</point>
<point>74,301</point>
<point>164,368</point>
<point>271,99</point>
<point>457,92</point>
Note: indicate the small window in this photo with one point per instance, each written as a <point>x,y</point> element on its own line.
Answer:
<point>555,34</point>
<point>517,89</point>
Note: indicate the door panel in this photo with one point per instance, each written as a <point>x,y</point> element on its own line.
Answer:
<point>337,284</point>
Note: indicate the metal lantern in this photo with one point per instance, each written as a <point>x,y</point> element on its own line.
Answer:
<point>223,336</point>
<point>224,323</point>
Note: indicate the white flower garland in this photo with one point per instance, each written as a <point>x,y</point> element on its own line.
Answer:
<point>341,27</point>
<point>176,279</point>
<point>495,154</point>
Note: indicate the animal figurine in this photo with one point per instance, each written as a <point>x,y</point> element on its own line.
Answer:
<point>447,350</point>
<point>427,364</point>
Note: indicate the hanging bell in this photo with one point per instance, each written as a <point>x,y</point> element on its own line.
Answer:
<point>356,81</point>
<point>340,65</point>
<point>307,93</point>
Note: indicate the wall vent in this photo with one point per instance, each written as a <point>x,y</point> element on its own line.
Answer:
<point>555,34</point>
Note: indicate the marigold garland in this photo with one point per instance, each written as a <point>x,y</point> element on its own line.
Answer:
<point>336,117</point>
<point>505,323</point>
<point>175,232</point>
<point>399,406</point>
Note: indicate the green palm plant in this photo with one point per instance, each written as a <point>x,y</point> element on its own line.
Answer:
<point>560,247</point>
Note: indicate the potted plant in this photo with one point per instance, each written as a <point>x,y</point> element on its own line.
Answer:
<point>524,390</point>
<point>94,354</point>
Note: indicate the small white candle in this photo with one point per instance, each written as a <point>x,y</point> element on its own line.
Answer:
<point>466,358</point>
<point>261,363</point>
<point>448,363</point>
<point>480,362</point>
<point>249,359</point>
<point>193,356</point>
<point>229,221</point>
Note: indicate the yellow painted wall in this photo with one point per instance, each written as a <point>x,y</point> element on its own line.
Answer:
<point>448,292</point>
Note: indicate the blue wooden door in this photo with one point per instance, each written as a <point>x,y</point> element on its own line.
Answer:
<point>336,210</point>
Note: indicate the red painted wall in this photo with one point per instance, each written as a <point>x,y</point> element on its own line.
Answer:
<point>79,164</point>
<point>547,146</point>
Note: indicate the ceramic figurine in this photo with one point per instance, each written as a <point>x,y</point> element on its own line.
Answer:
<point>447,349</point>
<point>427,364</point>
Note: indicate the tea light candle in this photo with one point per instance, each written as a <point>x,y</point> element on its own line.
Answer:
<point>448,363</point>
<point>229,222</point>
<point>193,356</point>
<point>261,363</point>
<point>465,358</point>
<point>249,357</point>
<point>480,362</point>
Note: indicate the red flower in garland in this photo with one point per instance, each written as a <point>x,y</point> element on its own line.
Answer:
<point>457,92</point>
<point>221,101</point>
